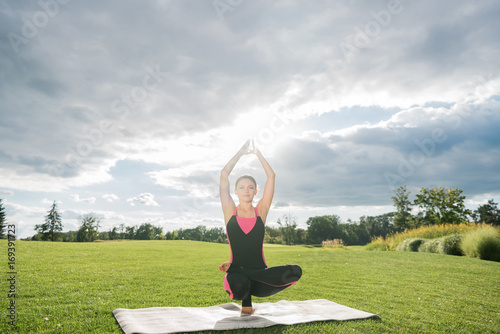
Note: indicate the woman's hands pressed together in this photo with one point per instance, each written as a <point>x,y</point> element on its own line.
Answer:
<point>248,148</point>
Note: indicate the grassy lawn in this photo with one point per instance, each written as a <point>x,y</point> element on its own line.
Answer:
<point>74,287</point>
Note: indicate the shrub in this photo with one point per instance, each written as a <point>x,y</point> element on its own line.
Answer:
<point>403,246</point>
<point>335,243</point>
<point>378,244</point>
<point>450,245</point>
<point>430,246</point>
<point>414,244</point>
<point>410,245</point>
<point>428,232</point>
<point>483,243</point>
<point>376,247</point>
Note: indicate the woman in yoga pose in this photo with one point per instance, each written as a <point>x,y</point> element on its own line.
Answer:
<point>247,273</point>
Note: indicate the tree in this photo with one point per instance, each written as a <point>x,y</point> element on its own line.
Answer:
<point>3,221</point>
<point>113,233</point>
<point>273,235</point>
<point>172,235</point>
<point>122,234</point>
<point>301,236</point>
<point>103,235</point>
<point>145,232</point>
<point>442,206</point>
<point>52,227</point>
<point>487,213</point>
<point>129,232</point>
<point>158,233</point>
<point>354,233</point>
<point>70,236</point>
<point>323,228</point>
<point>287,226</point>
<point>403,217</point>
<point>89,229</point>
<point>199,233</point>
<point>377,226</point>
<point>216,234</point>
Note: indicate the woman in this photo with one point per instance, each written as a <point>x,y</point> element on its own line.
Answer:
<point>247,273</point>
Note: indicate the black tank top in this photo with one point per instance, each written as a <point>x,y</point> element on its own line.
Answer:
<point>246,240</point>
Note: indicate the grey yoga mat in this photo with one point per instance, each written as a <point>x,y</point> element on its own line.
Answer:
<point>159,320</point>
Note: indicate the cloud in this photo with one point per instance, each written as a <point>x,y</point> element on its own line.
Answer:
<point>103,214</point>
<point>110,197</point>
<point>6,192</point>
<point>91,99</point>
<point>194,179</point>
<point>50,202</point>
<point>145,198</point>
<point>76,198</point>
<point>111,88</point>
<point>17,210</point>
<point>451,147</point>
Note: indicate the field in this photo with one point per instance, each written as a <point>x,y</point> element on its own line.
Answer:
<point>74,287</point>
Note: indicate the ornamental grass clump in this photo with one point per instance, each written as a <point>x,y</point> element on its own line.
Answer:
<point>430,246</point>
<point>483,243</point>
<point>377,244</point>
<point>410,245</point>
<point>392,241</point>
<point>450,245</point>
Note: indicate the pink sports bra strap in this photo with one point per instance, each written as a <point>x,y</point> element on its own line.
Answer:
<point>236,210</point>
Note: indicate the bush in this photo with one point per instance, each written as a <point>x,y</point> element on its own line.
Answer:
<point>430,246</point>
<point>483,243</point>
<point>410,245</point>
<point>450,245</point>
<point>428,232</point>
<point>392,242</point>
<point>335,243</point>
<point>403,246</point>
<point>378,244</point>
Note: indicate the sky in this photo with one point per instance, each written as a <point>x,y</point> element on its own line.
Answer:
<point>130,109</point>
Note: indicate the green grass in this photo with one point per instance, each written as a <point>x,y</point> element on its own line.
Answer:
<point>74,287</point>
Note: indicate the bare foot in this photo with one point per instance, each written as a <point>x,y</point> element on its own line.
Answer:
<point>224,266</point>
<point>247,310</point>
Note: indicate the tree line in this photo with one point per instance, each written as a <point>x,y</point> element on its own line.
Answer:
<point>89,231</point>
<point>432,206</point>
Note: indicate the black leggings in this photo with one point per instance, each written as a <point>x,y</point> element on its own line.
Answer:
<point>241,283</point>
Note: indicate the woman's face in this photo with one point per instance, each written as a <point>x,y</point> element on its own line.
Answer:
<point>245,190</point>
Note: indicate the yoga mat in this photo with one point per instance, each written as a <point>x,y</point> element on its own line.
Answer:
<point>160,320</point>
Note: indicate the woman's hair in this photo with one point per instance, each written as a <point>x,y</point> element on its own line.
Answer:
<point>246,176</point>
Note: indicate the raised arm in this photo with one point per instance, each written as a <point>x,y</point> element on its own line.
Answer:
<point>226,200</point>
<point>265,202</point>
